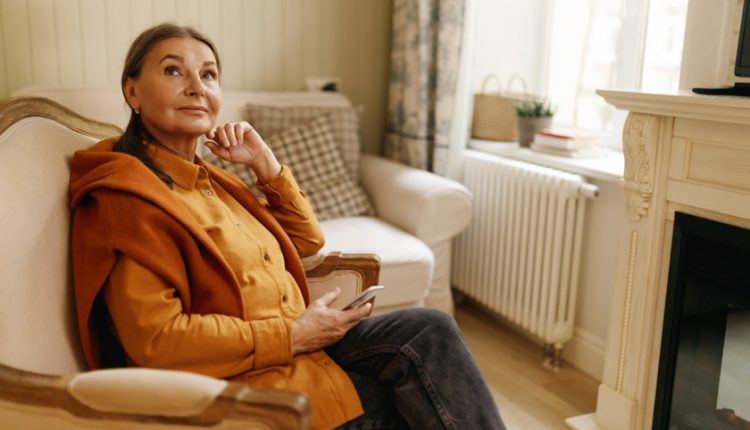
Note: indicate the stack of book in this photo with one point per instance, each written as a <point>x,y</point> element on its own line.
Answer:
<point>567,143</point>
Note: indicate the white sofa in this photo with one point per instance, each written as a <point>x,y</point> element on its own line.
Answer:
<point>417,213</point>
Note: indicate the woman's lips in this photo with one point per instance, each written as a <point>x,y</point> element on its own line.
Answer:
<point>194,109</point>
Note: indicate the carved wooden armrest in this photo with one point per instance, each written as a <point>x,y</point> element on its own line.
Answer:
<point>350,272</point>
<point>113,396</point>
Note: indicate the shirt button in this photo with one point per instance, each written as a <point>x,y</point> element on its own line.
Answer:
<point>266,257</point>
<point>238,225</point>
<point>284,298</point>
<point>208,192</point>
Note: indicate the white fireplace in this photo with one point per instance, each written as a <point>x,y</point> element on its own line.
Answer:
<point>683,153</point>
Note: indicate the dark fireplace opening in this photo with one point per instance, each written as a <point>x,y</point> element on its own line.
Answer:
<point>704,367</point>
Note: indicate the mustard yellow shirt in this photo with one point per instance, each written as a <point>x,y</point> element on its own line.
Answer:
<point>148,317</point>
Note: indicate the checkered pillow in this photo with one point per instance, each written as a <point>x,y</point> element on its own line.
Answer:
<point>311,154</point>
<point>344,121</point>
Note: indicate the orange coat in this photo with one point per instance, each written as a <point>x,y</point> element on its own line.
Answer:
<point>119,206</point>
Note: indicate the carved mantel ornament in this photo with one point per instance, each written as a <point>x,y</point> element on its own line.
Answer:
<point>638,188</point>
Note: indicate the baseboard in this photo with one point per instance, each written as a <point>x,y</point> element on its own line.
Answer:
<point>586,353</point>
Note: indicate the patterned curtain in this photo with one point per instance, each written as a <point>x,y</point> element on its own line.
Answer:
<point>425,52</point>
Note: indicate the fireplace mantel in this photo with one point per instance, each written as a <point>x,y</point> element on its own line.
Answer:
<point>684,104</point>
<point>683,152</point>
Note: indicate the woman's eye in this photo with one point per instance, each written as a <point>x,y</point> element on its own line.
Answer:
<point>208,74</point>
<point>172,71</point>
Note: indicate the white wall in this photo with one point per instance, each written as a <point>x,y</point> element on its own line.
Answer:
<point>586,350</point>
<point>263,44</point>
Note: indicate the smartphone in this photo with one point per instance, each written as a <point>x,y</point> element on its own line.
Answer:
<point>364,297</point>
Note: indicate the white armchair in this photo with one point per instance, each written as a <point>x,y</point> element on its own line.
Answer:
<point>428,207</point>
<point>44,383</point>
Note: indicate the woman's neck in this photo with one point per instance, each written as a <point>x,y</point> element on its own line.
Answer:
<point>186,151</point>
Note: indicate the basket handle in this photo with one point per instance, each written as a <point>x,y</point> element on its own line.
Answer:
<point>516,77</point>
<point>489,78</point>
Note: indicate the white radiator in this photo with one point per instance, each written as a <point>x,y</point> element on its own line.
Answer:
<point>521,253</point>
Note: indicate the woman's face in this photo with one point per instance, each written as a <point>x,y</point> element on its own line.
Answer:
<point>177,92</point>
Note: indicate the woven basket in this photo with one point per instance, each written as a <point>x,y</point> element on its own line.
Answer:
<point>494,116</point>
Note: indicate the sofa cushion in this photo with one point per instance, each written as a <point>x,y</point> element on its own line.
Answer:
<point>406,262</point>
<point>271,120</point>
<point>309,151</point>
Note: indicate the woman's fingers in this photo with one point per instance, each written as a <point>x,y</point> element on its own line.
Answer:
<point>230,132</point>
<point>216,148</point>
<point>221,137</point>
<point>239,132</point>
<point>329,297</point>
<point>320,326</point>
<point>353,315</point>
<point>234,134</point>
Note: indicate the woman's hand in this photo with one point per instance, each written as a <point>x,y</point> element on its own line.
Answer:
<point>238,142</point>
<point>320,326</point>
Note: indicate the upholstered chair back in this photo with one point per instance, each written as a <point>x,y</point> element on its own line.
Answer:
<point>38,329</point>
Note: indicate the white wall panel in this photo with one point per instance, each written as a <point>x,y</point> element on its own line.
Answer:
<point>140,16</point>
<point>328,43</point>
<point>264,44</point>
<point>94,50</point>
<point>44,47</point>
<point>164,10</point>
<point>69,42</point>
<point>312,60</point>
<point>252,40</point>
<point>118,36</point>
<point>346,63</point>
<point>210,21</point>
<point>273,23</point>
<point>17,36</point>
<point>187,13</point>
<point>3,61</point>
<point>231,51</point>
<point>291,43</point>
<point>373,58</point>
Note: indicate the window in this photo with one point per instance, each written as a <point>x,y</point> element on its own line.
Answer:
<point>596,44</point>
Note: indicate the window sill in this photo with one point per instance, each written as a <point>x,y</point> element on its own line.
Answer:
<point>608,168</point>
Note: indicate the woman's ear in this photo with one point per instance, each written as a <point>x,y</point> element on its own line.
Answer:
<point>130,94</point>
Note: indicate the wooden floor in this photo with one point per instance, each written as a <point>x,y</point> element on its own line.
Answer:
<point>529,396</point>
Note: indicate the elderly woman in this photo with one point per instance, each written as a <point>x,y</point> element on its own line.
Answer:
<point>178,266</point>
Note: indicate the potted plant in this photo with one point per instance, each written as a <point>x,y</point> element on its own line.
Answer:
<point>533,116</point>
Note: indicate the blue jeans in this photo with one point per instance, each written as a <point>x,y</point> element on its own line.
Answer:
<point>412,369</point>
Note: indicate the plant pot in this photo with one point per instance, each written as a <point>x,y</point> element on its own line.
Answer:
<point>529,126</point>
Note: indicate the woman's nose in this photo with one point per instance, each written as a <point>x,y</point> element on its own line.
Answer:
<point>194,86</point>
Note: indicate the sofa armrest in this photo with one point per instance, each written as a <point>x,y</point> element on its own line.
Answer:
<point>428,206</point>
<point>352,273</point>
<point>142,397</point>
